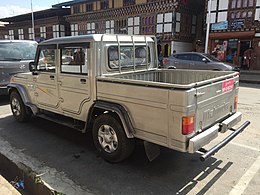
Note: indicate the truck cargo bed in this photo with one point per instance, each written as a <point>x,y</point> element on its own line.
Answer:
<point>171,78</point>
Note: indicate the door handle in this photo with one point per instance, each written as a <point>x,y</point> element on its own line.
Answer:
<point>59,82</point>
<point>52,77</point>
<point>83,81</point>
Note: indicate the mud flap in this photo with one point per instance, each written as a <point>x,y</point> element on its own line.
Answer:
<point>152,150</point>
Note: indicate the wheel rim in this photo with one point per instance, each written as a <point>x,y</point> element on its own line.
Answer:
<point>16,107</point>
<point>107,138</point>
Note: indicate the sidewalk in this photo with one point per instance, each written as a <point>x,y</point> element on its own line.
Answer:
<point>250,76</point>
<point>6,188</point>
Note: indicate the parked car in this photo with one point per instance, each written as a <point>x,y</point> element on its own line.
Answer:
<point>197,61</point>
<point>15,56</point>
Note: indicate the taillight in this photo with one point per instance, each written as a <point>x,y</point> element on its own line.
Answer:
<point>187,125</point>
<point>166,61</point>
<point>235,102</point>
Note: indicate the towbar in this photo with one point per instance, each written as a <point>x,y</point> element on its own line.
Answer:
<point>216,148</point>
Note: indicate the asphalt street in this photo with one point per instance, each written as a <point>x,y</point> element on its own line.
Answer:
<point>69,162</point>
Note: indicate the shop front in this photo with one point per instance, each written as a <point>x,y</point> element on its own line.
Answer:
<point>231,46</point>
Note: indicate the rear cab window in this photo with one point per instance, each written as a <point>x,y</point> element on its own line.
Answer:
<point>131,57</point>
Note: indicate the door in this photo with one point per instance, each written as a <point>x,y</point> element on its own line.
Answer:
<point>73,82</point>
<point>45,79</point>
<point>196,63</point>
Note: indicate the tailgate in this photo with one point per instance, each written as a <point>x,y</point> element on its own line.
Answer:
<point>215,102</point>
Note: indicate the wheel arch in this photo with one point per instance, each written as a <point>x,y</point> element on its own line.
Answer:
<point>100,107</point>
<point>23,94</point>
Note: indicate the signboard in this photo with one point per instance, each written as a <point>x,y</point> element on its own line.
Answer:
<point>220,25</point>
<point>237,24</point>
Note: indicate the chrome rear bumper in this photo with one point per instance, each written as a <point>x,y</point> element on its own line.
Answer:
<point>202,139</point>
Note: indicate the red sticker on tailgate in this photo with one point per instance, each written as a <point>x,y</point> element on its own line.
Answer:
<point>228,85</point>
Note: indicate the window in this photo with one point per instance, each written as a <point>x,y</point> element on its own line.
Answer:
<point>239,3</point>
<point>127,58</point>
<point>128,2</point>
<point>74,29</point>
<point>245,2</point>
<point>183,56</point>
<point>20,34</point>
<point>233,15</point>
<point>195,57</point>
<point>243,14</point>
<point>110,26</point>
<point>233,4</point>
<point>250,3</point>
<point>121,26</point>
<point>43,31</point>
<point>178,22</point>
<point>73,60</point>
<point>133,25</point>
<point>194,22</point>
<point>249,14</point>
<point>104,4</point>
<point>76,9</point>
<point>238,14</point>
<point>46,59</point>
<point>89,7</point>
<point>58,30</point>
<point>90,28</point>
<point>31,33</point>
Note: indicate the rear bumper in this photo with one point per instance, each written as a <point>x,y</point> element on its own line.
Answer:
<point>202,139</point>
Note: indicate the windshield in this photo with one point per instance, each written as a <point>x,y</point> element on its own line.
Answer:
<point>212,58</point>
<point>11,51</point>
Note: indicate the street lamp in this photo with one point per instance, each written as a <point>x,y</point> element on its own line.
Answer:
<point>32,21</point>
<point>208,26</point>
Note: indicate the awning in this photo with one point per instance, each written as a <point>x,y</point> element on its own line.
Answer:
<point>232,35</point>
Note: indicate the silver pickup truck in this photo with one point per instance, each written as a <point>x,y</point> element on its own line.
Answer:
<point>111,85</point>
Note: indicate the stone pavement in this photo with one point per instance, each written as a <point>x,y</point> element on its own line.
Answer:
<point>250,76</point>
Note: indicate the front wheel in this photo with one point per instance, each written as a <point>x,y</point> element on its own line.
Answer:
<point>110,139</point>
<point>20,112</point>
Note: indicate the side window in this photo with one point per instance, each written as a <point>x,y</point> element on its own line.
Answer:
<point>73,60</point>
<point>195,57</point>
<point>46,60</point>
<point>184,56</point>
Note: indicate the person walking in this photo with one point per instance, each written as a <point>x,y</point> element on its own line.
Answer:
<point>160,58</point>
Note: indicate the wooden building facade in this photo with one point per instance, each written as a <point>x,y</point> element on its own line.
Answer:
<point>235,27</point>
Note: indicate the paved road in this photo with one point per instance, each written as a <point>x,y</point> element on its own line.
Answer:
<point>70,163</point>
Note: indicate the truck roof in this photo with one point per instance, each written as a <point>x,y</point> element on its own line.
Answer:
<point>99,38</point>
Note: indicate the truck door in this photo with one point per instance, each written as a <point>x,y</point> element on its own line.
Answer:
<point>73,81</point>
<point>45,79</point>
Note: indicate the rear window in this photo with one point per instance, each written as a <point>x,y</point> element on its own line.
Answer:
<point>138,56</point>
<point>12,51</point>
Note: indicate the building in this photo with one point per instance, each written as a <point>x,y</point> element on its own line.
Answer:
<point>177,24</point>
<point>235,27</point>
<point>47,24</point>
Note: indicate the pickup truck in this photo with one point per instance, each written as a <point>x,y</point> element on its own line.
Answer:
<point>111,85</point>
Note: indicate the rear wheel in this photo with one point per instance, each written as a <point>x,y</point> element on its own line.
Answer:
<point>110,139</point>
<point>20,112</point>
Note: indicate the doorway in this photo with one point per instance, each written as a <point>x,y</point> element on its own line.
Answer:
<point>244,45</point>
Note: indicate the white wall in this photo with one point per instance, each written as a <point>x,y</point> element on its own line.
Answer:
<point>213,5</point>
<point>223,4</point>
<point>258,3</point>
<point>257,14</point>
<point>222,16</point>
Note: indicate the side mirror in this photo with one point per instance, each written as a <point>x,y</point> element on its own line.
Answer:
<point>32,67</point>
<point>204,60</point>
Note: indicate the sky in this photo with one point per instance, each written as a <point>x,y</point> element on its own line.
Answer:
<point>16,7</point>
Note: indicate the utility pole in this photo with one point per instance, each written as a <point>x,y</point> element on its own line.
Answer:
<point>32,21</point>
<point>208,26</point>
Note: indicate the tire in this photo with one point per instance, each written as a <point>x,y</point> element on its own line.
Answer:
<point>110,139</point>
<point>20,112</point>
